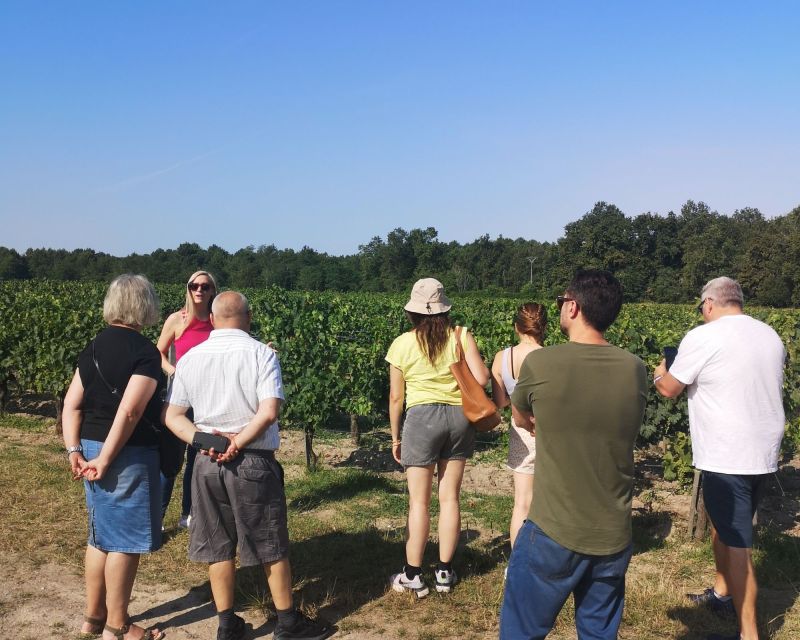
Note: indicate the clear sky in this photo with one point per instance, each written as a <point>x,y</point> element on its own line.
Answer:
<point>128,126</point>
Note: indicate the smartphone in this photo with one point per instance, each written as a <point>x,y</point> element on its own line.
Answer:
<point>206,441</point>
<point>669,355</point>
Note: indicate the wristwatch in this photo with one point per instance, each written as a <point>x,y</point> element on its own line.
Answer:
<point>76,449</point>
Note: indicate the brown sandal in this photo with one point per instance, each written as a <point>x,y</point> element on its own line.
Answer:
<point>119,634</point>
<point>98,625</point>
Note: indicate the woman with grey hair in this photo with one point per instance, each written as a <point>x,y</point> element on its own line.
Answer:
<point>110,413</point>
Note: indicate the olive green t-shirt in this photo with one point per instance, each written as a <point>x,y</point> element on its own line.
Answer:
<point>589,402</point>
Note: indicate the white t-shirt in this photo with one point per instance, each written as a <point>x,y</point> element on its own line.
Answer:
<point>733,367</point>
<point>224,379</point>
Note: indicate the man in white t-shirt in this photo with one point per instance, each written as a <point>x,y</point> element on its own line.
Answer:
<point>732,367</point>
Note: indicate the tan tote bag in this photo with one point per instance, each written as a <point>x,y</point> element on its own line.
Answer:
<point>478,407</point>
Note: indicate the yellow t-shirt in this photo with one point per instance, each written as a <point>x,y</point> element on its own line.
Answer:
<point>426,383</point>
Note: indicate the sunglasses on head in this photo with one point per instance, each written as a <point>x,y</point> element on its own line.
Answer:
<point>198,286</point>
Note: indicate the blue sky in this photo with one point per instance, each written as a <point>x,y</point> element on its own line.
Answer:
<point>128,126</point>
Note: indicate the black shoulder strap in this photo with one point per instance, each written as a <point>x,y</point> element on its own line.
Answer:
<point>113,390</point>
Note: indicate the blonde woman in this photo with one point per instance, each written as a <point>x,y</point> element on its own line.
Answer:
<point>436,435</point>
<point>530,322</point>
<point>186,328</point>
<point>109,412</point>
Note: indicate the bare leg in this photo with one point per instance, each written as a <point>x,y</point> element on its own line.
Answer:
<point>94,569</point>
<point>420,483</point>
<point>279,579</point>
<point>523,494</point>
<point>222,576</point>
<point>451,472</point>
<point>120,574</point>
<point>721,563</point>
<point>741,579</point>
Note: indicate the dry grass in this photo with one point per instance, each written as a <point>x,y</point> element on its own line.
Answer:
<point>347,529</point>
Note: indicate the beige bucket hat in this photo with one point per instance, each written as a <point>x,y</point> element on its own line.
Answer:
<point>427,296</point>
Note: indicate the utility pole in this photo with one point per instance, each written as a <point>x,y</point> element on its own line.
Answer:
<point>532,260</point>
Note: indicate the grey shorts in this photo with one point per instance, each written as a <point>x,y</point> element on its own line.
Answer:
<point>241,502</point>
<point>432,432</point>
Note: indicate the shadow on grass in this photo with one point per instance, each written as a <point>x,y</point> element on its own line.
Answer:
<point>777,560</point>
<point>324,487</point>
<point>650,530</point>
<point>334,575</point>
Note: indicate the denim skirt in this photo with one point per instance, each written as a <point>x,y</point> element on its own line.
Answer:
<point>124,508</point>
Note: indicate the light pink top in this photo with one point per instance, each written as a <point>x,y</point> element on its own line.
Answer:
<point>194,334</point>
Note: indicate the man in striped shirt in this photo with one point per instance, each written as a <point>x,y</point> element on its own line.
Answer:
<point>233,384</point>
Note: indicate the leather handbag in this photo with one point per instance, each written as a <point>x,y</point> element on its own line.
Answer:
<point>478,407</point>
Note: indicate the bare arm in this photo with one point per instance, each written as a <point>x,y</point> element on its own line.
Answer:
<point>397,394</point>
<point>177,422</point>
<point>71,423</point>
<point>523,419</point>
<point>667,384</point>
<point>165,341</point>
<point>131,408</point>
<point>499,392</point>
<point>475,362</point>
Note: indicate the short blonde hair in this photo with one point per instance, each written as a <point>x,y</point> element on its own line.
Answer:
<point>131,300</point>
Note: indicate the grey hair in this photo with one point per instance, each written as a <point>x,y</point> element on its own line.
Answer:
<point>724,291</point>
<point>131,300</point>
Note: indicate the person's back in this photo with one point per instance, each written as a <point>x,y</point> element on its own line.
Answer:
<point>589,400</point>
<point>585,400</point>
<point>734,371</point>
<point>225,377</point>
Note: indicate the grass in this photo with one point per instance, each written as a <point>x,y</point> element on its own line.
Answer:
<point>348,529</point>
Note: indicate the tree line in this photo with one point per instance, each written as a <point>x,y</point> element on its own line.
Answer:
<point>657,258</point>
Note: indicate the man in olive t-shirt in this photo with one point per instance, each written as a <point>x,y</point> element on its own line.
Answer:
<point>588,398</point>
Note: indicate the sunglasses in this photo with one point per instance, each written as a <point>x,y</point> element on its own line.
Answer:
<point>198,286</point>
<point>560,300</point>
<point>702,303</point>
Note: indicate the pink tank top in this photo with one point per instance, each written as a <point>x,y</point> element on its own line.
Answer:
<point>194,334</point>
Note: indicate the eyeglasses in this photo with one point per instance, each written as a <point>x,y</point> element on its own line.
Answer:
<point>560,300</point>
<point>702,303</point>
<point>198,286</point>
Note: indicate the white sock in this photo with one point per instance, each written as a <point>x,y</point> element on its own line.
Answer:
<point>719,597</point>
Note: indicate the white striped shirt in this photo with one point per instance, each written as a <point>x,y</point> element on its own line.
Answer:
<point>224,379</point>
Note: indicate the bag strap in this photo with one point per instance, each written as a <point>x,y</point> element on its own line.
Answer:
<point>459,346</point>
<point>115,392</point>
<point>112,390</point>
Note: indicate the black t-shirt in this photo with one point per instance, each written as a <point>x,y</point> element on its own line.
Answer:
<point>120,353</point>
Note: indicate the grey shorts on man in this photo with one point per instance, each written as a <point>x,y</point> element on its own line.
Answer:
<point>242,502</point>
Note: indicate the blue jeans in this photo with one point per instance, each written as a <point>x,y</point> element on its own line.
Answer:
<point>542,574</point>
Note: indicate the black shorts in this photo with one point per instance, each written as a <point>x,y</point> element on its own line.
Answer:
<point>241,502</point>
<point>731,502</point>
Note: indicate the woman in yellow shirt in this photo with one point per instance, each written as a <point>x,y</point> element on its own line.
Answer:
<point>436,435</point>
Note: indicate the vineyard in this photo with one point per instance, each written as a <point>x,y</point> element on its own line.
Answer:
<point>332,345</point>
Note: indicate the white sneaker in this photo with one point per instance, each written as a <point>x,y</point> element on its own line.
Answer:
<point>445,580</point>
<point>185,522</point>
<point>401,583</point>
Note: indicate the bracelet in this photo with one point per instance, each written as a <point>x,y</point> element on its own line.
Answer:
<point>657,378</point>
<point>396,442</point>
<point>76,449</point>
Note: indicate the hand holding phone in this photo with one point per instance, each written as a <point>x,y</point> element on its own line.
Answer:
<point>669,355</point>
<point>207,441</point>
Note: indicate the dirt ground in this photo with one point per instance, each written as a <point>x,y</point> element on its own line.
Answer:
<point>46,600</point>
